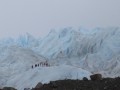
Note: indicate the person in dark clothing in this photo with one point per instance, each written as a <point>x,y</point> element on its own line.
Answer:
<point>35,65</point>
<point>32,66</point>
<point>38,65</point>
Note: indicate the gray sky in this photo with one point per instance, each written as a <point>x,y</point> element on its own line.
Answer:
<point>39,16</point>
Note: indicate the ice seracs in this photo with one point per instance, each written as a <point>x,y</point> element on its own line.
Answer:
<point>96,50</point>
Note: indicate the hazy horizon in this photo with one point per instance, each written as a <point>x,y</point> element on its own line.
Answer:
<point>38,17</point>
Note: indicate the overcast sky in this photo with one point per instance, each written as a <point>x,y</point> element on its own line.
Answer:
<point>37,17</point>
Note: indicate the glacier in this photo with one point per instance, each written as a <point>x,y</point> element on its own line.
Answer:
<point>86,51</point>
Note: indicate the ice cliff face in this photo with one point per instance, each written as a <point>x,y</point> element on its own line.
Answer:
<point>96,50</point>
<point>100,44</point>
<point>80,43</point>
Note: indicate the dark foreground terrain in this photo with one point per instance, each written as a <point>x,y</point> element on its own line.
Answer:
<point>85,84</point>
<point>104,84</point>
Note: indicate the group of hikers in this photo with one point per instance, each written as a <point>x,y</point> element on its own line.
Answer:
<point>41,64</point>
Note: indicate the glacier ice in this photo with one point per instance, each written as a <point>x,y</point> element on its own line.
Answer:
<point>96,50</point>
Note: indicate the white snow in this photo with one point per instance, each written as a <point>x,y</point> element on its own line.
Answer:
<point>16,70</point>
<point>31,77</point>
<point>70,52</point>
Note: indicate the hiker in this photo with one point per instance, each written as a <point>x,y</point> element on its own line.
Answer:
<point>46,63</point>
<point>35,65</point>
<point>32,66</point>
<point>38,65</point>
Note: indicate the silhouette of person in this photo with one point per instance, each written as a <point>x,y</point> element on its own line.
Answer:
<point>32,66</point>
<point>38,65</point>
<point>35,65</point>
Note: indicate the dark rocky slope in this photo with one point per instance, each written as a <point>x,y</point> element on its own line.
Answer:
<point>104,84</point>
